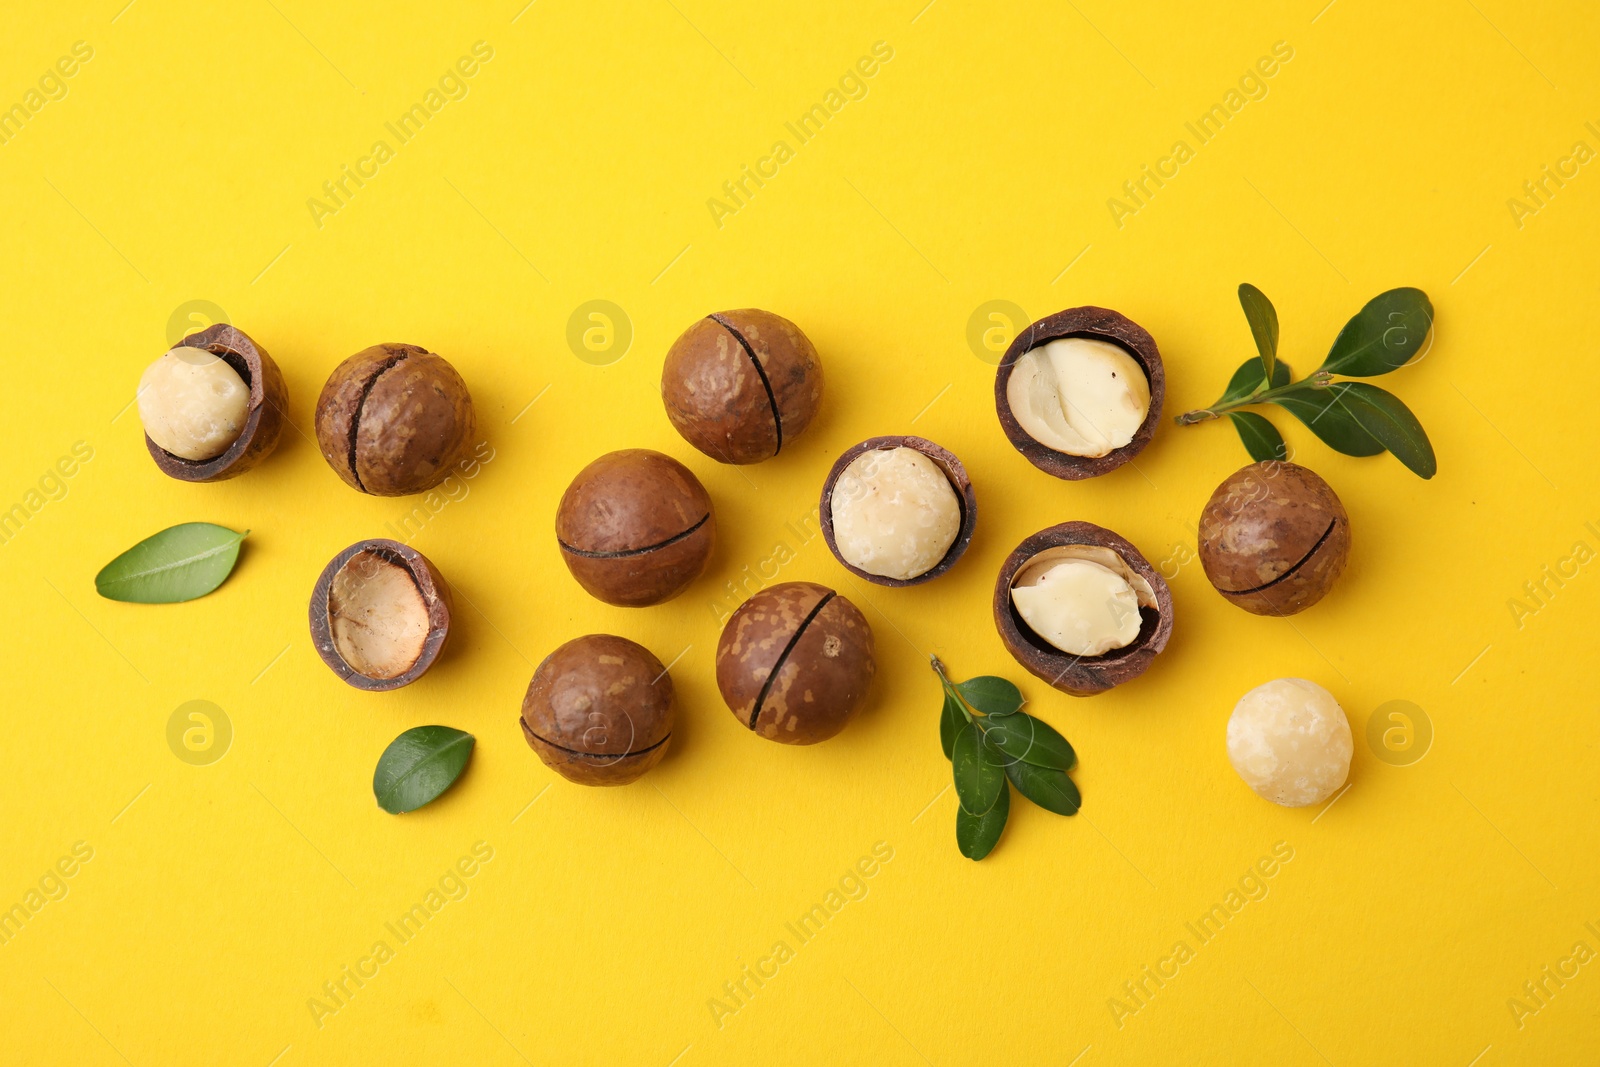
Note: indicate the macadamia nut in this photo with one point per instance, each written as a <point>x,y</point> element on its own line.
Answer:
<point>1079,395</point>
<point>192,403</point>
<point>1082,599</point>
<point>894,513</point>
<point>1290,742</point>
<point>377,616</point>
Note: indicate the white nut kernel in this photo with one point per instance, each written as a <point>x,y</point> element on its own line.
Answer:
<point>192,403</point>
<point>895,513</point>
<point>1082,599</point>
<point>377,616</point>
<point>1079,396</point>
<point>1290,742</point>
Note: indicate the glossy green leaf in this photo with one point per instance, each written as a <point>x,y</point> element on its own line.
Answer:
<point>1023,737</point>
<point>976,835</point>
<point>1247,379</point>
<point>1047,787</point>
<point>1263,318</point>
<point>1320,410</point>
<point>951,720</point>
<point>991,695</point>
<point>1391,423</point>
<point>179,563</point>
<point>978,780</point>
<point>419,765</point>
<point>1261,439</point>
<point>1389,332</point>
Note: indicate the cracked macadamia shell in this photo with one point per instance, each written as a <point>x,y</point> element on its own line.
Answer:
<point>635,528</point>
<point>394,419</point>
<point>212,407</point>
<point>1290,742</point>
<point>740,385</point>
<point>795,663</point>
<point>599,710</point>
<point>1274,538</point>
<point>1079,393</point>
<point>898,510</point>
<point>380,614</point>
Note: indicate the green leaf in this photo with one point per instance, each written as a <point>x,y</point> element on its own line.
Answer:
<point>991,695</point>
<point>179,563</point>
<point>978,780</point>
<point>1247,379</point>
<point>1023,737</point>
<point>1391,423</point>
<point>1261,439</point>
<point>976,835</point>
<point>1047,787</point>
<point>419,765</point>
<point>1263,318</point>
<point>1320,410</point>
<point>951,720</point>
<point>1385,335</point>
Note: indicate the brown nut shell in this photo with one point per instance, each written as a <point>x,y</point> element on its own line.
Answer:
<point>394,419</point>
<point>635,528</point>
<point>795,662</point>
<point>739,385</point>
<point>1274,537</point>
<point>1082,676</point>
<point>959,481</point>
<point>599,710</point>
<point>269,399</point>
<point>362,559</point>
<point>1100,324</point>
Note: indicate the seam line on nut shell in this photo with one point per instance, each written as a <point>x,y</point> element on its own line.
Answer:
<point>783,657</point>
<point>613,756</point>
<point>772,398</point>
<point>355,418</point>
<point>1312,551</point>
<point>623,552</point>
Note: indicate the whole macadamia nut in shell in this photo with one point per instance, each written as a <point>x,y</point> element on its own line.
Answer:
<point>599,710</point>
<point>795,663</point>
<point>394,419</point>
<point>1290,741</point>
<point>739,385</point>
<point>635,528</point>
<point>1274,537</point>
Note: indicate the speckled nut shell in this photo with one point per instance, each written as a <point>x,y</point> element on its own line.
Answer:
<point>1100,324</point>
<point>795,662</point>
<point>394,420</point>
<point>269,399</point>
<point>1274,538</point>
<point>1082,676</point>
<point>635,528</point>
<point>599,710</point>
<point>431,586</point>
<point>953,470</point>
<point>739,385</point>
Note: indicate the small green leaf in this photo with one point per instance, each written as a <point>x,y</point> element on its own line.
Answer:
<point>1261,439</point>
<point>1263,318</point>
<point>1247,379</point>
<point>1383,336</point>
<point>1390,422</point>
<point>950,722</point>
<point>419,765</point>
<point>1023,737</point>
<point>991,695</point>
<point>978,780</point>
<point>976,835</point>
<point>179,563</point>
<point>1047,787</point>
<point>1320,410</point>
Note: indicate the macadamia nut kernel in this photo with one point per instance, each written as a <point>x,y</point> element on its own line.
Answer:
<point>1082,599</point>
<point>377,616</point>
<point>1290,742</point>
<point>192,403</point>
<point>894,513</point>
<point>1079,395</point>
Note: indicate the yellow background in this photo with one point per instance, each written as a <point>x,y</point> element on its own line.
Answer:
<point>220,898</point>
